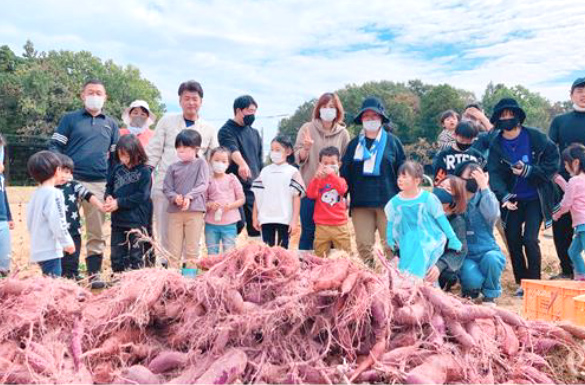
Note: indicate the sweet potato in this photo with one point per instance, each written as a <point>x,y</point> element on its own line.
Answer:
<point>509,317</point>
<point>167,361</point>
<point>436,369</point>
<point>75,343</point>
<point>508,341</point>
<point>374,355</point>
<point>574,330</point>
<point>469,313</point>
<point>331,276</point>
<point>412,315</point>
<point>226,369</point>
<point>138,374</point>
<point>235,302</point>
<point>349,283</point>
<point>458,332</point>
<point>442,302</point>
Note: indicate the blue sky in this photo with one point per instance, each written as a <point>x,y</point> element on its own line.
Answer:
<point>286,52</point>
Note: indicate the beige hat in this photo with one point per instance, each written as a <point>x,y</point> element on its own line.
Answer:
<point>138,103</point>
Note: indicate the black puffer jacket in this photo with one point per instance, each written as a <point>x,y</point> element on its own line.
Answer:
<point>545,164</point>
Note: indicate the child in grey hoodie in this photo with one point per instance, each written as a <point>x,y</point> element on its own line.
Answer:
<point>45,215</point>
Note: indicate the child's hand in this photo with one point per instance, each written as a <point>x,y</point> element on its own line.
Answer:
<point>213,206</point>
<point>179,200</point>
<point>256,224</point>
<point>510,206</point>
<point>100,206</point>
<point>293,228</point>
<point>320,173</point>
<point>69,249</point>
<point>111,205</point>
<point>11,225</point>
<point>556,217</point>
<point>433,274</point>
<point>186,204</point>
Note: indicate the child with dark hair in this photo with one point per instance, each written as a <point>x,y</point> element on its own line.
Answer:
<point>73,192</point>
<point>278,191</point>
<point>328,189</point>
<point>461,151</point>
<point>449,120</point>
<point>128,199</point>
<point>45,215</point>
<point>417,225</point>
<point>6,223</point>
<point>185,186</point>
<point>224,197</point>
<point>574,201</point>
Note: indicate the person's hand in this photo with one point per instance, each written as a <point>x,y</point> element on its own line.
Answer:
<point>433,274</point>
<point>186,204</point>
<point>11,225</point>
<point>226,207</point>
<point>518,168</point>
<point>100,206</point>
<point>510,206</point>
<point>69,249</point>
<point>212,206</point>
<point>328,170</point>
<point>256,224</point>
<point>111,205</point>
<point>307,141</point>
<point>179,200</point>
<point>320,173</point>
<point>293,227</point>
<point>556,216</point>
<point>244,171</point>
<point>481,178</point>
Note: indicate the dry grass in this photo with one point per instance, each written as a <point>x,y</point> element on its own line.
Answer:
<point>19,196</point>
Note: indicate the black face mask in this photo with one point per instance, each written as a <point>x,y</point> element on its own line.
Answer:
<point>471,185</point>
<point>444,196</point>
<point>463,146</point>
<point>508,124</point>
<point>249,119</point>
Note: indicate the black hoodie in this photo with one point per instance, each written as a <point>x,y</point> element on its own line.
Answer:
<point>248,142</point>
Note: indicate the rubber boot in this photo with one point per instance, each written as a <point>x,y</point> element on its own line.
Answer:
<point>94,266</point>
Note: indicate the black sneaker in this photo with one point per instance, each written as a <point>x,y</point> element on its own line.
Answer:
<point>488,301</point>
<point>473,294</point>
<point>561,276</point>
<point>519,293</point>
<point>96,283</point>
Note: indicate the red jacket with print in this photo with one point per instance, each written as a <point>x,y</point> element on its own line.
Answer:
<point>330,206</point>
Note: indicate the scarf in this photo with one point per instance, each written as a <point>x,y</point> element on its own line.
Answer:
<point>577,108</point>
<point>372,158</point>
<point>1,154</point>
<point>136,130</point>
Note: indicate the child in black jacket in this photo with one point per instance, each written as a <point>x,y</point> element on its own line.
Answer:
<point>128,199</point>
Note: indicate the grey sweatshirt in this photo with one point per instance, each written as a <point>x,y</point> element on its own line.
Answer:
<point>189,179</point>
<point>45,219</point>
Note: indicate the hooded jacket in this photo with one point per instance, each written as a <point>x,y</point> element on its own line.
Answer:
<point>539,174</point>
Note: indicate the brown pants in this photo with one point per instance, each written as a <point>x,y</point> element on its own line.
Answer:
<point>94,219</point>
<point>324,235</point>
<point>366,221</point>
<point>185,228</point>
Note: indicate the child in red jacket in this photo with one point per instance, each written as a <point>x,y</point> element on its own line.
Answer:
<point>328,189</point>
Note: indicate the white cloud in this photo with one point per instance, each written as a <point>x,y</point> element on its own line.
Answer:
<point>285,52</point>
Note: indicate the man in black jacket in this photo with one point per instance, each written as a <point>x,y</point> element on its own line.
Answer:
<point>245,144</point>
<point>89,137</point>
<point>565,130</point>
<point>522,162</point>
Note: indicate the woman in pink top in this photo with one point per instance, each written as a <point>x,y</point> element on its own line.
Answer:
<point>574,201</point>
<point>224,196</point>
<point>138,118</point>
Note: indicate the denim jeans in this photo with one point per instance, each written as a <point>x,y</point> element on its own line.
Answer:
<point>216,235</point>
<point>575,250</point>
<point>307,224</point>
<point>51,267</point>
<point>483,272</point>
<point>4,246</point>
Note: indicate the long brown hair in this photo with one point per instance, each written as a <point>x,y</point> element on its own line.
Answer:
<point>458,192</point>
<point>326,98</point>
<point>131,146</point>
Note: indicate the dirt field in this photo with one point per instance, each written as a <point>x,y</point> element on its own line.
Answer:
<point>19,196</point>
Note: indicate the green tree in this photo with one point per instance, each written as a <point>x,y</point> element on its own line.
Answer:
<point>39,88</point>
<point>539,111</point>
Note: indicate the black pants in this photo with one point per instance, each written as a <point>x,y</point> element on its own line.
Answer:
<point>70,262</point>
<point>524,245</point>
<point>271,230</point>
<point>563,236</point>
<point>127,252</point>
<point>246,214</point>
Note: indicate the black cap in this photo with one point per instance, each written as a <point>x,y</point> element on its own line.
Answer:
<point>579,82</point>
<point>507,104</point>
<point>374,104</point>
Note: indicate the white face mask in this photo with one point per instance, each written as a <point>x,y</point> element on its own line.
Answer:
<point>276,156</point>
<point>577,108</point>
<point>219,167</point>
<point>334,167</point>
<point>94,102</point>
<point>371,125</point>
<point>327,114</point>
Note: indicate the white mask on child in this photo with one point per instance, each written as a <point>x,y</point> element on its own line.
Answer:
<point>335,168</point>
<point>276,156</point>
<point>219,167</point>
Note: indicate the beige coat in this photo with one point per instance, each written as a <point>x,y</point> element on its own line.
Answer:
<point>337,137</point>
<point>161,148</point>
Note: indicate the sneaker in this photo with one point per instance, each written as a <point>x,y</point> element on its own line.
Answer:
<point>519,292</point>
<point>96,283</point>
<point>561,276</point>
<point>489,301</point>
<point>473,294</point>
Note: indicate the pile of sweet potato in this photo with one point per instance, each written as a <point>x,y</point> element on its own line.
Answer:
<point>264,315</point>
